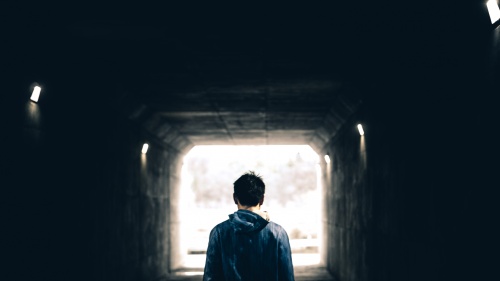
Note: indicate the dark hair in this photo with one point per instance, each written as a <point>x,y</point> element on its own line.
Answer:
<point>249,189</point>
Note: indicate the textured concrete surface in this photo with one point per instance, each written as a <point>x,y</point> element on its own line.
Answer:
<point>398,197</point>
<point>307,273</point>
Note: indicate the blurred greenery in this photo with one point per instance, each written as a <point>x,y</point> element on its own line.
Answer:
<point>288,179</point>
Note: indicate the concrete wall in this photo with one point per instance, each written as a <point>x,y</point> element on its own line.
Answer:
<point>79,200</point>
<point>403,202</point>
<point>416,201</point>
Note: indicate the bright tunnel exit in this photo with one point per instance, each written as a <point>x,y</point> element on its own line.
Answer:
<point>291,174</point>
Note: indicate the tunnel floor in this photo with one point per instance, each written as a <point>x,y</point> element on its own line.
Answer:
<point>302,273</point>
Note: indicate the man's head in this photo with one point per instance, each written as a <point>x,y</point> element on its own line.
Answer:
<point>249,189</point>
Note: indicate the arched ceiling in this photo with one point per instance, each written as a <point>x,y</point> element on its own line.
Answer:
<point>278,74</point>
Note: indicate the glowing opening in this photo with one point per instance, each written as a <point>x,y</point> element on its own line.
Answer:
<point>145,148</point>
<point>360,129</point>
<point>35,95</point>
<point>327,159</point>
<point>293,195</point>
<point>493,10</point>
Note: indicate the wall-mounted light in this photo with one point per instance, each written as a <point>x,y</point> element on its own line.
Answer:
<point>145,148</point>
<point>327,159</point>
<point>360,129</point>
<point>493,10</point>
<point>35,95</point>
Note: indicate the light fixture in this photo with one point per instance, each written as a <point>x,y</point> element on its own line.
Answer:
<point>145,148</point>
<point>327,159</point>
<point>360,129</point>
<point>36,94</point>
<point>493,10</point>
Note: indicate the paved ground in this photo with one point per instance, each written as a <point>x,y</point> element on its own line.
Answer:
<point>311,273</point>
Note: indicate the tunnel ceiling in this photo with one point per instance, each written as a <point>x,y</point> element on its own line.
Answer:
<point>258,75</point>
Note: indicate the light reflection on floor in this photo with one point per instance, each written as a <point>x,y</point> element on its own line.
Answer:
<point>194,261</point>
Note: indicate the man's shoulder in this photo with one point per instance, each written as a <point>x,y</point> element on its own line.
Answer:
<point>223,227</point>
<point>275,228</point>
<point>274,225</point>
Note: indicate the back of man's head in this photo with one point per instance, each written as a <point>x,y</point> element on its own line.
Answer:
<point>249,189</point>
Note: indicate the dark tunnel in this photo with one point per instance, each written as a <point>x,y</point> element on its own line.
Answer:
<point>414,198</point>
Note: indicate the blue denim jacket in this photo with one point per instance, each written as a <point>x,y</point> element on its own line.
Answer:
<point>248,247</point>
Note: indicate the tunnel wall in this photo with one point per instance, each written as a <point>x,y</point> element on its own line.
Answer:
<point>417,201</point>
<point>80,200</point>
<point>409,205</point>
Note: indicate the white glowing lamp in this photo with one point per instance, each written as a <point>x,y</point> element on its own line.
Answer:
<point>145,148</point>
<point>327,159</point>
<point>493,10</point>
<point>36,94</point>
<point>360,129</point>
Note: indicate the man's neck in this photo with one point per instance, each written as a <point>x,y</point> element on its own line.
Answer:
<point>249,208</point>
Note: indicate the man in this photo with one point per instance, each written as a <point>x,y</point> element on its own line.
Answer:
<point>248,246</point>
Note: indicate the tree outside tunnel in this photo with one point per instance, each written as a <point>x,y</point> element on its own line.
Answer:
<point>292,195</point>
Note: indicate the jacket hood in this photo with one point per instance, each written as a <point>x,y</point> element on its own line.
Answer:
<point>245,221</point>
